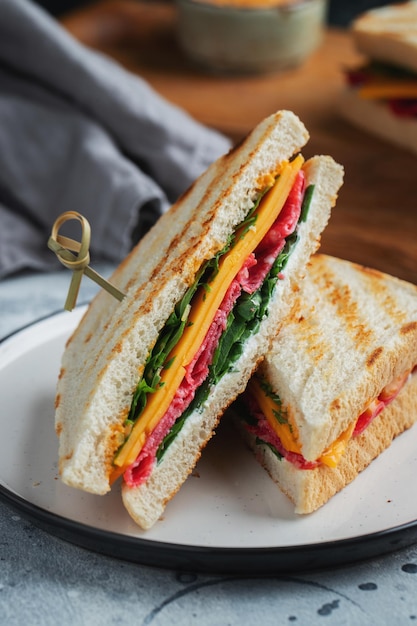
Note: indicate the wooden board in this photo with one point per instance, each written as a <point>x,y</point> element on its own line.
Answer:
<point>375,221</point>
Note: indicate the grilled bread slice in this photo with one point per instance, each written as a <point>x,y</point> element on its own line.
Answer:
<point>106,364</point>
<point>338,380</point>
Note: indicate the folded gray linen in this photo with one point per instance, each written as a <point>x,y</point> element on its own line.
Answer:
<point>78,132</point>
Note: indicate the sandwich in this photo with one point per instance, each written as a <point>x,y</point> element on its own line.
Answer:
<point>144,382</point>
<point>338,384</point>
<point>381,93</point>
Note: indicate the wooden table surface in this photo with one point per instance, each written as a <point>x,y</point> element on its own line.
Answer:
<point>375,219</point>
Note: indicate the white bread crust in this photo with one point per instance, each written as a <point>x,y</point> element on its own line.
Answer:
<point>146,503</point>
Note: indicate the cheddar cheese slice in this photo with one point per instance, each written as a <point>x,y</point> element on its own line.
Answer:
<point>286,432</point>
<point>336,450</point>
<point>272,413</point>
<point>207,302</point>
<point>203,309</point>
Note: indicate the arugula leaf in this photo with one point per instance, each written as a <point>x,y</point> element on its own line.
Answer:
<point>280,413</point>
<point>308,194</point>
<point>261,442</point>
<point>167,340</point>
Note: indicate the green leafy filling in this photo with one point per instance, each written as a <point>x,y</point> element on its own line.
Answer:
<point>280,413</point>
<point>242,322</point>
<point>261,442</point>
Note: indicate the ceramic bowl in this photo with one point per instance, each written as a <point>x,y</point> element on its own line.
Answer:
<point>243,36</point>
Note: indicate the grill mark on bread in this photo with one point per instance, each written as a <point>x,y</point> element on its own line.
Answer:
<point>374,356</point>
<point>92,335</point>
<point>182,261</point>
<point>307,333</point>
<point>335,405</point>
<point>346,308</point>
<point>391,309</point>
<point>179,261</point>
<point>370,271</point>
<point>63,460</point>
<point>376,286</point>
<point>411,327</point>
<point>215,181</point>
<point>206,198</point>
<point>117,348</point>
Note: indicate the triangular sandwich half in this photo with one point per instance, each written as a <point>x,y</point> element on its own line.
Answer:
<point>144,382</point>
<point>338,384</point>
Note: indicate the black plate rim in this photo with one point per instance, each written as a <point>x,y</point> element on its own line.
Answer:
<point>216,560</point>
<point>204,559</point>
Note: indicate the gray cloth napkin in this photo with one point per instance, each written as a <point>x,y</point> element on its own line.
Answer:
<point>78,132</point>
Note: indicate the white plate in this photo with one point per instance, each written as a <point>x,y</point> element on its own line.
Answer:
<point>228,516</point>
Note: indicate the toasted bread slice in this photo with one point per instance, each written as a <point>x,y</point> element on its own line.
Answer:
<point>351,332</point>
<point>147,502</point>
<point>105,358</point>
<point>389,34</point>
<point>311,489</point>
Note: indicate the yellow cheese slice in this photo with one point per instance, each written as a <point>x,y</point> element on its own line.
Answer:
<point>157,403</point>
<point>385,90</point>
<point>336,450</point>
<point>270,409</point>
<point>208,301</point>
<point>331,456</point>
<point>203,309</point>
